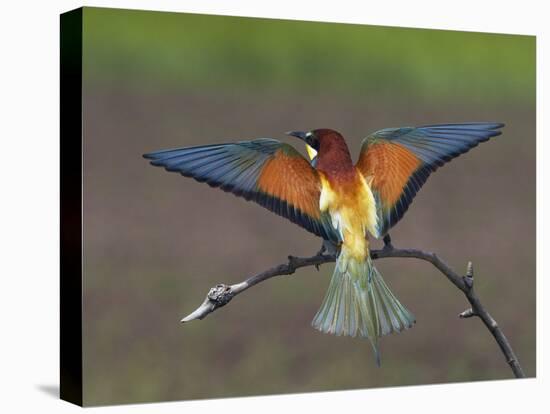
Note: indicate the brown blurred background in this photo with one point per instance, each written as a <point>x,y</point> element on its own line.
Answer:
<point>155,242</point>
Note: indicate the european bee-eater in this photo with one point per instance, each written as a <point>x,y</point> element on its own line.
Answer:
<point>338,201</point>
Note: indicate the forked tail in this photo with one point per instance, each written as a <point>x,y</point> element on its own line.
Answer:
<point>358,302</point>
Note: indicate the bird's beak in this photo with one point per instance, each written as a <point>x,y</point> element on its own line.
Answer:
<point>297,134</point>
<point>307,138</point>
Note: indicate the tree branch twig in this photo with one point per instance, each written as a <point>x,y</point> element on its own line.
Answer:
<point>220,295</point>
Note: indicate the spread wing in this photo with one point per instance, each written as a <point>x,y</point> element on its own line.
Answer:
<point>266,171</point>
<point>397,161</point>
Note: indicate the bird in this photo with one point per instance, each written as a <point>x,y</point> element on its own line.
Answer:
<point>337,200</point>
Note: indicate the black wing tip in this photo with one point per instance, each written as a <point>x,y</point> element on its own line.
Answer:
<point>155,162</point>
<point>496,127</point>
<point>483,125</point>
<point>157,158</point>
<point>150,155</point>
<point>495,131</point>
<point>487,129</point>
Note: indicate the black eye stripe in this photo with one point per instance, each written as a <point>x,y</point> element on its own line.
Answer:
<point>312,140</point>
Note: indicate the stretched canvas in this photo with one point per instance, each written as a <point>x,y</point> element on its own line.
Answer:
<point>399,163</point>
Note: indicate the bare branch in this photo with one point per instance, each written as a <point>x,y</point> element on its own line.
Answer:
<point>220,295</point>
<point>468,313</point>
<point>479,310</point>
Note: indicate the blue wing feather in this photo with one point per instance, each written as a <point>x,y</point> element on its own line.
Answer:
<point>236,167</point>
<point>434,145</point>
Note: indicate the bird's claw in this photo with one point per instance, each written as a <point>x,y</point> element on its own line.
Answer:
<point>322,250</point>
<point>387,242</point>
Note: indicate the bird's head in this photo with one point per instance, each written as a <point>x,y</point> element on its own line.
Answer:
<point>315,138</point>
<point>311,140</point>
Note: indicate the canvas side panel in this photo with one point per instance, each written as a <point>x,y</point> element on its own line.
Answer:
<point>71,206</point>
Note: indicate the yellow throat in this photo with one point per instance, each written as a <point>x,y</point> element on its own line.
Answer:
<point>311,152</point>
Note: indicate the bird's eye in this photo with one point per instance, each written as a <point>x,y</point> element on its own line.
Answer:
<point>312,141</point>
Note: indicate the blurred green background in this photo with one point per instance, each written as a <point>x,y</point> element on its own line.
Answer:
<point>156,242</point>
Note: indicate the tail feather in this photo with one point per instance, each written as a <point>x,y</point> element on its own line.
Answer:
<point>394,317</point>
<point>359,303</point>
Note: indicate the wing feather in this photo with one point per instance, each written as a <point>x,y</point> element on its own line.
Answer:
<point>266,171</point>
<point>399,161</point>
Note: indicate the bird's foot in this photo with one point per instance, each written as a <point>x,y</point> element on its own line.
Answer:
<point>322,250</point>
<point>387,242</point>
<point>328,248</point>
